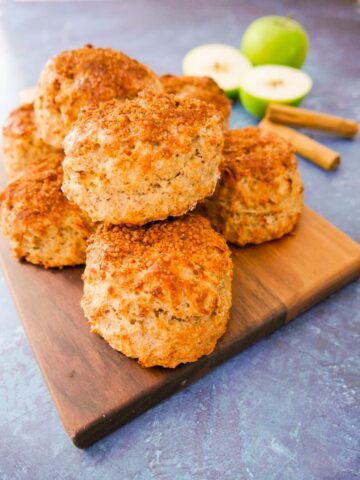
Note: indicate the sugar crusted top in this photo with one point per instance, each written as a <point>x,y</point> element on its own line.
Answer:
<point>190,237</point>
<point>20,121</point>
<point>36,194</point>
<point>152,126</point>
<point>89,75</point>
<point>203,88</point>
<point>252,152</point>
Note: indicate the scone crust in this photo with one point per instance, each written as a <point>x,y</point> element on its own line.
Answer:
<point>259,195</point>
<point>23,146</point>
<point>203,88</point>
<point>143,160</point>
<point>77,78</point>
<point>159,293</point>
<point>43,226</point>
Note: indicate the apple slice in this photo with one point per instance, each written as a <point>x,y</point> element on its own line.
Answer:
<point>223,63</point>
<point>273,84</point>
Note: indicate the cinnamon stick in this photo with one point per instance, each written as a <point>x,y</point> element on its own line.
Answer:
<point>314,151</point>
<point>300,117</point>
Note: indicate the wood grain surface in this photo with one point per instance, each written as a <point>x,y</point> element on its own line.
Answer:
<point>96,389</point>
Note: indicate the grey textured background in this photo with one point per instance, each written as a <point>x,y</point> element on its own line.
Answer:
<point>287,408</point>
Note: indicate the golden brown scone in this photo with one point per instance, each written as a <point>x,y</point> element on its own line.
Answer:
<point>77,78</point>
<point>203,88</point>
<point>259,196</point>
<point>143,160</point>
<point>43,226</point>
<point>23,146</point>
<point>159,293</point>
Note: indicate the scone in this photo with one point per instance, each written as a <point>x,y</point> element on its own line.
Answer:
<point>76,78</point>
<point>203,88</point>
<point>22,144</point>
<point>42,225</point>
<point>143,160</point>
<point>159,293</point>
<point>259,196</point>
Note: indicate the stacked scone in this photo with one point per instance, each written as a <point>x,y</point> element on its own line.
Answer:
<point>108,167</point>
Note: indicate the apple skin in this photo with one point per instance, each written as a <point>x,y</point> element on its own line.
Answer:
<point>275,40</point>
<point>257,106</point>
<point>232,94</point>
<point>225,53</point>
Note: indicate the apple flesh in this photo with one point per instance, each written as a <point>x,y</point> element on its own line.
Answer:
<point>223,63</point>
<point>273,84</point>
<point>275,40</point>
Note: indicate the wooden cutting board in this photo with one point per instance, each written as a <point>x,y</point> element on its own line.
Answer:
<point>96,389</point>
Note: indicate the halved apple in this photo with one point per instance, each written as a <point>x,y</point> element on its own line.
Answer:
<point>223,63</point>
<point>273,84</point>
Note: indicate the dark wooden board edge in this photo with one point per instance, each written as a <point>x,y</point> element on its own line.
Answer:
<point>187,374</point>
<point>328,289</point>
<point>184,375</point>
<point>349,274</point>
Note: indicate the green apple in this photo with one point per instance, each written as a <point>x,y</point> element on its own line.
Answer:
<point>275,40</point>
<point>223,63</point>
<point>273,84</point>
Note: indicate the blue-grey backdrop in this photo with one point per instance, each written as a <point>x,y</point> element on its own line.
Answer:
<point>287,408</point>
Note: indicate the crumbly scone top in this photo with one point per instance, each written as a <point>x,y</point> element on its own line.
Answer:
<point>95,74</point>
<point>20,121</point>
<point>181,263</point>
<point>204,88</point>
<point>165,125</point>
<point>252,152</point>
<point>36,193</point>
<point>190,237</point>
